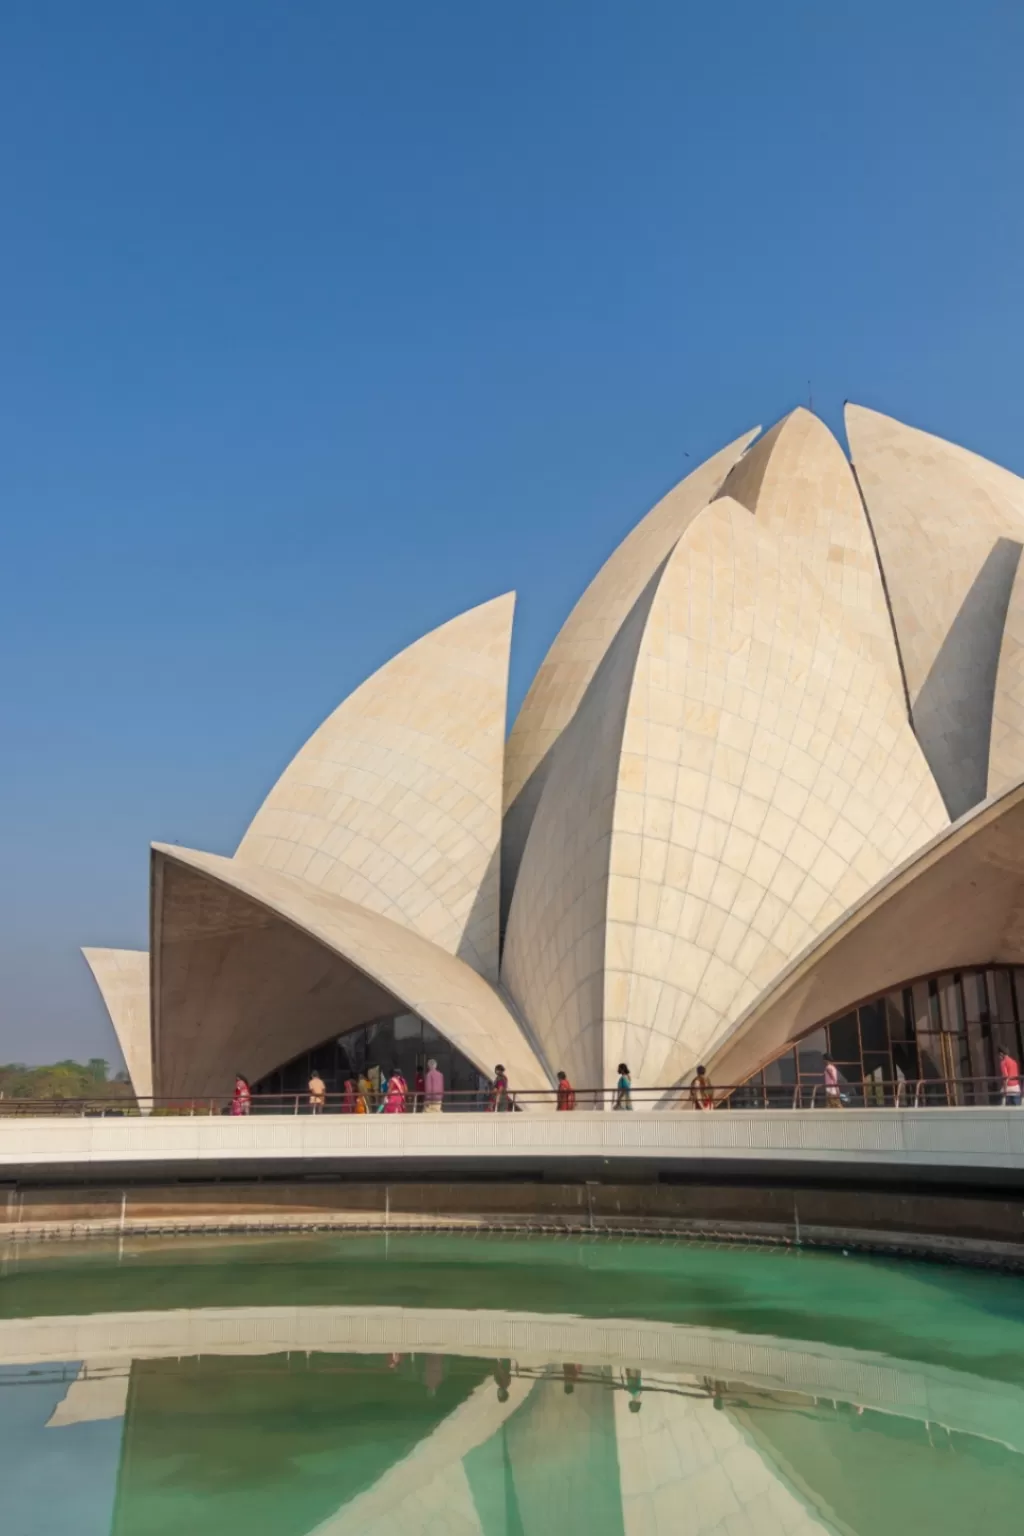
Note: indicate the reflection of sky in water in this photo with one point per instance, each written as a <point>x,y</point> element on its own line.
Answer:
<point>53,1482</point>
<point>337,1418</point>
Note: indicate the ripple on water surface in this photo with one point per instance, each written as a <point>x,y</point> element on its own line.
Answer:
<point>504,1387</point>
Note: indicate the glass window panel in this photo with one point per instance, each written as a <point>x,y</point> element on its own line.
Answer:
<point>844,1038</point>
<point>750,1095</point>
<point>781,1071</point>
<point>894,1017</point>
<point>979,1050</point>
<point>1000,993</point>
<point>921,1002</point>
<point>931,1088</point>
<point>1018,977</point>
<point>960,1057</point>
<point>873,1032</point>
<point>904,1061</point>
<point>1002,1034</point>
<point>810,1054</point>
<point>975,997</point>
<point>929,1049</point>
<point>951,1010</point>
<point>876,1078</point>
<point>1018,987</point>
<point>780,1079</point>
<point>408,1027</point>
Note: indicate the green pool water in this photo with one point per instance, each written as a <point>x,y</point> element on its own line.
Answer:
<point>447,1384</point>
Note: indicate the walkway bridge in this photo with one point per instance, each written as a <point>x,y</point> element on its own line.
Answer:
<point>938,1180</point>
<point>979,1147</point>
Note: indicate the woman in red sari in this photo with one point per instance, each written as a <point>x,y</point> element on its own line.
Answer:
<point>566,1093</point>
<point>241,1099</point>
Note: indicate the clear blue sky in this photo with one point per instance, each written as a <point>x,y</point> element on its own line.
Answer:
<point>322,322</point>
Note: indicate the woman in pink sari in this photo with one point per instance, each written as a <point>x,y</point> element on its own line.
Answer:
<point>394,1104</point>
<point>241,1099</point>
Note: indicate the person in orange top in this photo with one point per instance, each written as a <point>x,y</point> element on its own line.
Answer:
<point>566,1093</point>
<point>1009,1071</point>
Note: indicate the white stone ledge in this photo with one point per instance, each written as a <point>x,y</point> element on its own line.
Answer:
<point>969,1139</point>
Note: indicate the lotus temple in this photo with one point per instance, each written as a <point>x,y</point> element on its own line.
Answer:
<point>764,799</point>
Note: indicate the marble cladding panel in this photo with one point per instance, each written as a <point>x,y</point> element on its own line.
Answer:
<point>1006,750</point>
<point>570,664</point>
<point>768,778</point>
<point>939,512</point>
<point>807,496</point>
<point>395,801</point>
<point>122,976</point>
<point>554,959</point>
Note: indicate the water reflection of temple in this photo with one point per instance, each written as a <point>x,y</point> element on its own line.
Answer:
<point>262,1433</point>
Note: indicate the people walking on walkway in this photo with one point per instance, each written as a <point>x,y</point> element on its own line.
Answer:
<point>833,1099</point>
<point>623,1088</point>
<point>418,1089</point>
<point>498,1099</point>
<point>317,1092</point>
<point>397,1091</point>
<point>1009,1071</point>
<point>365,1100</point>
<point>433,1089</point>
<point>566,1093</point>
<point>348,1098</point>
<point>701,1095</point>
<point>241,1099</point>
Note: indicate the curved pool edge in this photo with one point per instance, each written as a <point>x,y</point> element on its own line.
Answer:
<point>954,1226</point>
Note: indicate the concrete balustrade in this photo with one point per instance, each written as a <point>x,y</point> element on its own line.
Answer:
<point>976,1146</point>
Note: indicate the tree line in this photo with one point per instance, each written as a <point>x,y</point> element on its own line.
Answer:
<point>63,1080</point>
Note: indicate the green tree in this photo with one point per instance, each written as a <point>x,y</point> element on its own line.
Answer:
<point>62,1080</point>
